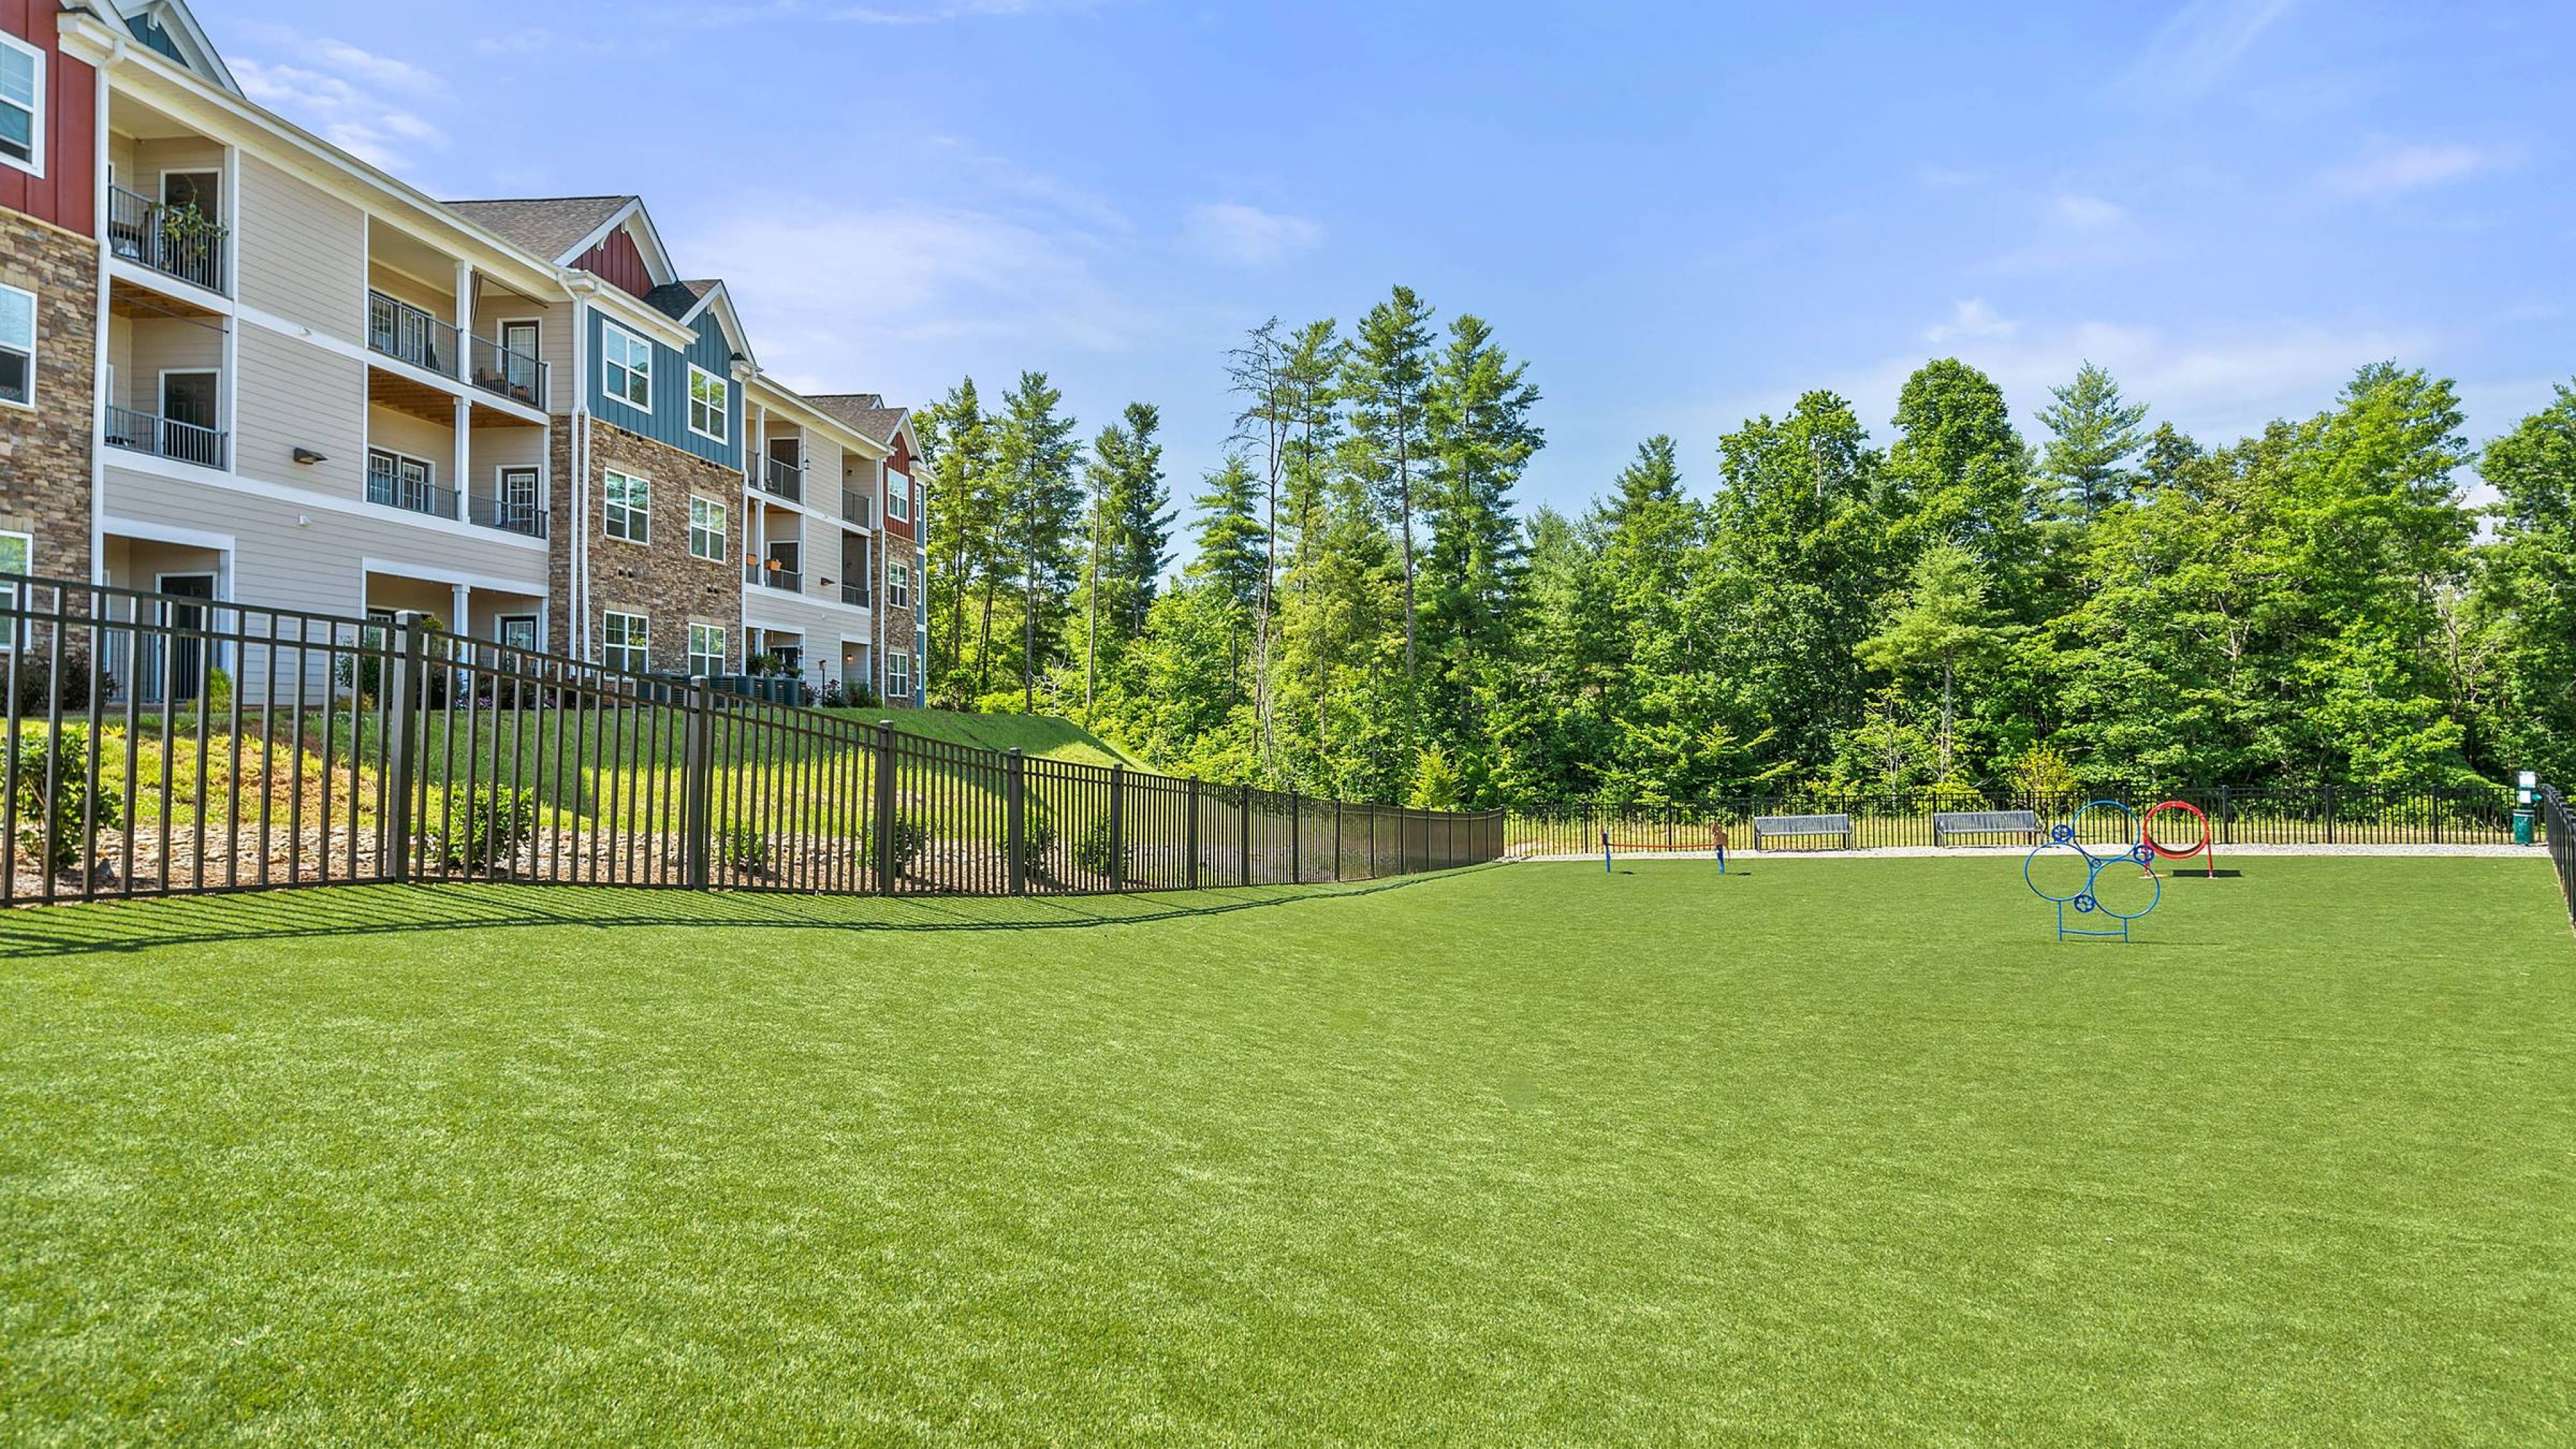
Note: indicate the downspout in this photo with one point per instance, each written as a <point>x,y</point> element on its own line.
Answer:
<point>577,567</point>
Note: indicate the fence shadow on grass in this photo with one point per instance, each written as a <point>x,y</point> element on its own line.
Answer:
<point>374,910</point>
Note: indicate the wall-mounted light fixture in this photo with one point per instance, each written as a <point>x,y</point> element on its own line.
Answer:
<point>308,457</point>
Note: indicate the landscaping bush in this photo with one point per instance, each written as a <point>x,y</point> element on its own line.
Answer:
<point>219,692</point>
<point>1096,853</point>
<point>1037,839</point>
<point>746,848</point>
<point>910,836</point>
<point>35,684</point>
<point>487,827</point>
<point>63,804</point>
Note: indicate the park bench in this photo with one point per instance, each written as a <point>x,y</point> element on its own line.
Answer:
<point>1767,828</point>
<point>1946,823</point>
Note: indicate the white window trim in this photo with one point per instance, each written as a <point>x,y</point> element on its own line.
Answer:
<point>646,512</point>
<point>34,165</point>
<point>898,497</point>
<point>898,677</point>
<point>723,547</point>
<point>722,636</point>
<point>608,329</point>
<point>898,584</point>
<point>8,640</point>
<point>724,405</point>
<point>639,626</point>
<point>33,306</point>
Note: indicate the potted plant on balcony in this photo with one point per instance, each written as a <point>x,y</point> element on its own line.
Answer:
<point>187,238</point>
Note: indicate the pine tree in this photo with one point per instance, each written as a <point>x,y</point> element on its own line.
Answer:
<point>2093,434</point>
<point>1387,377</point>
<point>1041,509</point>
<point>1123,532</point>
<point>1478,416</point>
<point>965,545</point>
<point>1231,548</point>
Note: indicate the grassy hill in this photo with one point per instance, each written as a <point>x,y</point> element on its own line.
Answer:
<point>1039,735</point>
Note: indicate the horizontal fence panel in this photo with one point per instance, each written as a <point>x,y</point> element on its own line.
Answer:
<point>161,744</point>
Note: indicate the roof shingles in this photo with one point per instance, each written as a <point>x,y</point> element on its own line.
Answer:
<point>549,226</point>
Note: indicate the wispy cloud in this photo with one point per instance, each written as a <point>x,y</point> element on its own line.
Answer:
<point>932,12</point>
<point>1232,232</point>
<point>2394,169</point>
<point>2197,47</point>
<point>367,104</point>
<point>2087,213</point>
<point>1970,320</point>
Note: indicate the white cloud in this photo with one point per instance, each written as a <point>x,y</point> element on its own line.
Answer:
<point>357,118</point>
<point>2196,48</point>
<point>932,12</point>
<point>1970,319</point>
<point>2087,213</point>
<point>1229,231</point>
<point>2391,170</point>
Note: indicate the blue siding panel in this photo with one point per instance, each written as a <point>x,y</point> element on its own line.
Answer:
<point>669,420</point>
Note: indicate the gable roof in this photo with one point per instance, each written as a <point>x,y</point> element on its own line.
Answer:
<point>865,411</point>
<point>679,300</point>
<point>558,228</point>
<point>167,28</point>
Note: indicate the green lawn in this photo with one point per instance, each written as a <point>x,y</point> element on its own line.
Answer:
<point>1825,1152</point>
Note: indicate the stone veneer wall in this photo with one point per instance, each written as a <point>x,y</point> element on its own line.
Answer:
<point>659,580</point>
<point>45,454</point>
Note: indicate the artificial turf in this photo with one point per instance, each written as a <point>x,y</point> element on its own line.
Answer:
<point>1822,1152</point>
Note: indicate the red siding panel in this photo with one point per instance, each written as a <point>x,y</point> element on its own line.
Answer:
<point>618,262</point>
<point>65,195</point>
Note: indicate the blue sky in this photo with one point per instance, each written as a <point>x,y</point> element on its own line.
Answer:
<point>1679,214</point>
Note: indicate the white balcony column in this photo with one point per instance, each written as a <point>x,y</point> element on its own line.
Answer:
<point>465,317</point>
<point>460,610</point>
<point>463,477</point>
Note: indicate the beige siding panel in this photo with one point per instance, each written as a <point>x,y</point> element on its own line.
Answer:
<point>165,344</point>
<point>303,252</point>
<point>415,438</point>
<point>822,625</point>
<point>506,448</point>
<point>293,395</point>
<point>178,153</point>
<point>439,302</point>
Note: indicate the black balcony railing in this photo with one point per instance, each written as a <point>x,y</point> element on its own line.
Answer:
<point>393,490</point>
<point>772,575</point>
<point>855,508</point>
<point>506,514</point>
<point>164,438</point>
<point>854,594</point>
<point>181,242</point>
<point>405,333</point>
<point>782,479</point>
<point>513,375</point>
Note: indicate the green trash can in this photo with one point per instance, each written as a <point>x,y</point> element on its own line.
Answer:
<point>2522,827</point>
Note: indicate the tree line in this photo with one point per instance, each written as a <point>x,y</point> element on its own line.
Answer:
<point>1367,611</point>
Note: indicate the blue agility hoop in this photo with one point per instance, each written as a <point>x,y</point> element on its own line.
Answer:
<point>2134,849</point>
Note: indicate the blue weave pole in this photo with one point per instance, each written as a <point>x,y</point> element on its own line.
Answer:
<point>2087,901</point>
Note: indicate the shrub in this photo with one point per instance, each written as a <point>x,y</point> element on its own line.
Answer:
<point>910,836</point>
<point>1096,853</point>
<point>746,848</point>
<point>1435,781</point>
<point>63,805</point>
<point>489,826</point>
<point>35,683</point>
<point>1037,839</point>
<point>219,692</point>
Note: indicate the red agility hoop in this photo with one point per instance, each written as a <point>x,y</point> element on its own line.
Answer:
<point>2206,846</point>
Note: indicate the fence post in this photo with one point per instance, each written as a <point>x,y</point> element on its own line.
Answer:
<point>1337,839</point>
<point>697,765</point>
<point>2330,820</point>
<point>2437,815</point>
<point>1243,819</point>
<point>1194,832</point>
<point>2226,822</point>
<point>394,856</point>
<point>1296,839</point>
<point>1118,827</point>
<point>1015,788</point>
<point>884,823</point>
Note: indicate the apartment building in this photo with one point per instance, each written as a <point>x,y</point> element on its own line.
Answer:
<point>239,363</point>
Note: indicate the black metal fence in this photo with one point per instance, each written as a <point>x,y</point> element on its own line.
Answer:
<point>2324,815</point>
<point>2560,826</point>
<point>162,745</point>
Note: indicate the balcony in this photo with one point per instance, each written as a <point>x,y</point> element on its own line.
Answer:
<point>855,509</point>
<point>164,438</point>
<point>509,516</point>
<point>513,375</point>
<point>405,333</point>
<point>179,242</point>
<point>393,489</point>
<point>773,576</point>
<point>855,594</point>
<point>782,479</point>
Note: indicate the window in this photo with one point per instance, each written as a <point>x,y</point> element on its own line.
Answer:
<point>898,498</point>
<point>706,530</point>
<point>625,366</point>
<point>898,676</point>
<point>518,631</point>
<point>706,649</point>
<point>17,556</point>
<point>710,401</point>
<point>22,105</point>
<point>629,508</point>
<point>898,586</point>
<point>17,346</point>
<point>624,642</point>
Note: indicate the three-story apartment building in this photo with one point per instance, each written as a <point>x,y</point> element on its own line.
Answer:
<point>239,363</point>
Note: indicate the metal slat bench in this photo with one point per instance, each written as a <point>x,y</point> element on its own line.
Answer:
<point>1946,823</point>
<point>1767,828</point>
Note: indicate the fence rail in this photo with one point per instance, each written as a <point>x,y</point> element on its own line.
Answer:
<point>2324,815</point>
<point>2559,823</point>
<point>163,745</point>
